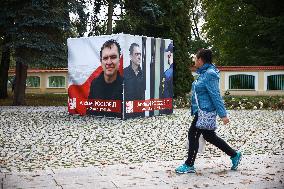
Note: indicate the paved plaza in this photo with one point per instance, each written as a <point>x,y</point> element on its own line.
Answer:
<point>255,172</point>
<point>45,147</point>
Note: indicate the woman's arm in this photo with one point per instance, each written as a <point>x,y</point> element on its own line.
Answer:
<point>212,85</point>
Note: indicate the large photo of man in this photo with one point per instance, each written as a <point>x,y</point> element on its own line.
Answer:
<point>167,81</point>
<point>133,79</point>
<point>166,86</point>
<point>120,75</point>
<point>108,85</point>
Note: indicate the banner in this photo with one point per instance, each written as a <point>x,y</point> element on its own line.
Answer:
<point>120,75</point>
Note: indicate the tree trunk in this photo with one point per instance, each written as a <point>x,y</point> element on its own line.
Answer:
<point>109,17</point>
<point>20,86</point>
<point>4,67</point>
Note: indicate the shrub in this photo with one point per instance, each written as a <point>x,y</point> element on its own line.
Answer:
<point>254,102</point>
<point>240,102</point>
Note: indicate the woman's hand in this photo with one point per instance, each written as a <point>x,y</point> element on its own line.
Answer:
<point>225,120</point>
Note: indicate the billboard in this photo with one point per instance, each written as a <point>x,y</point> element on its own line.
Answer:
<point>120,75</point>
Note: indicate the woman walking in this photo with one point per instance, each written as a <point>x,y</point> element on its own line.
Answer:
<point>206,104</point>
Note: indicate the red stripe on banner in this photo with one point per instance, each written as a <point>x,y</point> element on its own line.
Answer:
<point>81,105</point>
<point>78,93</point>
<point>148,105</point>
<point>102,105</point>
<point>121,66</point>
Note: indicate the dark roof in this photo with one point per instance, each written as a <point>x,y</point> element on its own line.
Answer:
<point>43,70</point>
<point>249,68</point>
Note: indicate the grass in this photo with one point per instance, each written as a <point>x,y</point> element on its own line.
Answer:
<point>39,100</point>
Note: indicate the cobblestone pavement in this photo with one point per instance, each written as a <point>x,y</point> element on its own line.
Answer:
<point>48,138</point>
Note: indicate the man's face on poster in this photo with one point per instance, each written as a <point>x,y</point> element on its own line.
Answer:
<point>110,61</point>
<point>170,57</point>
<point>136,56</point>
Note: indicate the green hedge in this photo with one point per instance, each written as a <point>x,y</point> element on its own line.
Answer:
<point>39,100</point>
<point>241,102</point>
<point>231,102</point>
<point>254,102</point>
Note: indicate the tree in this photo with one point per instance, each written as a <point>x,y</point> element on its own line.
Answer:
<point>197,40</point>
<point>79,24</point>
<point>109,17</point>
<point>5,23</point>
<point>4,67</point>
<point>247,32</point>
<point>196,15</point>
<point>38,39</point>
<point>38,36</point>
<point>164,19</point>
<point>267,8</point>
<point>100,26</point>
<point>94,22</point>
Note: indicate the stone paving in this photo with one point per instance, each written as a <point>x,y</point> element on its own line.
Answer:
<point>48,139</point>
<point>261,172</point>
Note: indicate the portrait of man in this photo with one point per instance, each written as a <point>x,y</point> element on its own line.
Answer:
<point>166,85</point>
<point>108,85</point>
<point>167,81</point>
<point>133,78</point>
<point>120,75</point>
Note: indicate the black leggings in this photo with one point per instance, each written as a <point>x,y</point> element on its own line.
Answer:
<point>209,136</point>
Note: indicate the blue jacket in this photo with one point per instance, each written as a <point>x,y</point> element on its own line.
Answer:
<point>206,87</point>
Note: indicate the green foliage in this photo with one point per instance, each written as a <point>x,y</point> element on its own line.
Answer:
<point>231,102</point>
<point>39,29</point>
<point>80,24</point>
<point>182,101</point>
<point>164,19</point>
<point>197,44</point>
<point>99,26</point>
<point>240,102</point>
<point>247,32</point>
<point>267,8</point>
<point>254,102</point>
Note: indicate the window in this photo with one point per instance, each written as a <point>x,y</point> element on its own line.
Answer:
<point>56,81</point>
<point>275,82</point>
<point>241,81</point>
<point>33,81</point>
